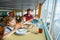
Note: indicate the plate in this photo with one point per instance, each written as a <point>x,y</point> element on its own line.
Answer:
<point>21,31</point>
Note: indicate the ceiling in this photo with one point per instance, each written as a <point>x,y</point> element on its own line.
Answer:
<point>19,4</point>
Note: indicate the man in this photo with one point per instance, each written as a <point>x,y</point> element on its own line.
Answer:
<point>28,16</point>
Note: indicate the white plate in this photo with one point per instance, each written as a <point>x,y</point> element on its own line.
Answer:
<point>21,31</point>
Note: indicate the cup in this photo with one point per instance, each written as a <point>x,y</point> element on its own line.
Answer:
<point>40,30</point>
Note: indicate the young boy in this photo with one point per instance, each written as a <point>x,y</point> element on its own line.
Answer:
<point>11,28</point>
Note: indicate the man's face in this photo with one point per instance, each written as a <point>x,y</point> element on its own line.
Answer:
<point>29,12</point>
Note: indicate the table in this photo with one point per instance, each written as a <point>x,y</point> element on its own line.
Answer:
<point>29,36</point>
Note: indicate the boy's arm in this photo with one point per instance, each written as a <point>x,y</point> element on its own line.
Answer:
<point>8,34</point>
<point>15,28</point>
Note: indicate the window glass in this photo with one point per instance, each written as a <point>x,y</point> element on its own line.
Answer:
<point>57,19</point>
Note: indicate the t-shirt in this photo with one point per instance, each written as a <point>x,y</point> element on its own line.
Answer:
<point>8,29</point>
<point>28,17</point>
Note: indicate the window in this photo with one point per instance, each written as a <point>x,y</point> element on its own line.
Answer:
<point>57,20</point>
<point>19,13</point>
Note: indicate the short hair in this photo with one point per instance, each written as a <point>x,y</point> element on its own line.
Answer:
<point>8,19</point>
<point>29,9</point>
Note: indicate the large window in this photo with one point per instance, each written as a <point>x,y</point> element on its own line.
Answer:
<point>52,16</point>
<point>57,20</point>
<point>47,11</point>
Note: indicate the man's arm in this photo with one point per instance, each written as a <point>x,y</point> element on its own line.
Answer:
<point>30,20</point>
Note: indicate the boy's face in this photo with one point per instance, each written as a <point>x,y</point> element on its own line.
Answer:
<point>12,23</point>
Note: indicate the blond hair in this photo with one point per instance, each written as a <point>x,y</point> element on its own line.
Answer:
<point>8,19</point>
